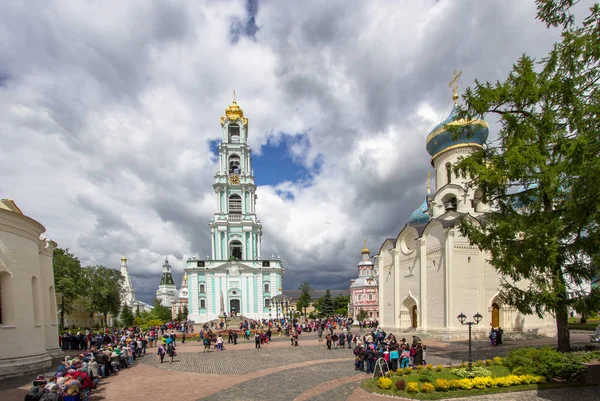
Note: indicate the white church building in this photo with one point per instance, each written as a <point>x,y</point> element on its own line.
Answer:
<point>129,298</point>
<point>236,279</point>
<point>429,273</point>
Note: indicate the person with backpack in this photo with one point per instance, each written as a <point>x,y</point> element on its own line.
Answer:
<point>349,340</point>
<point>161,353</point>
<point>370,359</point>
<point>342,340</point>
<point>256,340</point>
<point>171,352</point>
<point>206,342</point>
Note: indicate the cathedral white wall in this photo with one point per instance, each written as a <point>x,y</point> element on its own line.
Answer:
<point>387,289</point>
<point>23,331</point>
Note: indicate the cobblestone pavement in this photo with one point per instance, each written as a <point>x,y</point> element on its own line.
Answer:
<point>286,385</point>
<point>280,372</point>
<point>245,361</point>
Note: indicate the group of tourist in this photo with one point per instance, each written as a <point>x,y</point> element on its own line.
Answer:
<point>397,354</point>
<point>103,355</point>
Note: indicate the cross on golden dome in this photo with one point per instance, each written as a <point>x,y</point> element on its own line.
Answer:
<point>454,85</point>
<point>234,112</point>
<point>365,249</point>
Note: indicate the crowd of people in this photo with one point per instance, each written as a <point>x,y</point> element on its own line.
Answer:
<point>104,354</point>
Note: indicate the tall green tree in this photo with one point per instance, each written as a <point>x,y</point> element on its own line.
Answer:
<point>105,290</point>
<point>69,280</point>
<point>160,312</point>
<point>186,312</point>
<point>541,176</point>
<point>362,315</point>
<point>305,298</point>
<point>341,305</point>
<point>126,317</point>
<point>326,305</point>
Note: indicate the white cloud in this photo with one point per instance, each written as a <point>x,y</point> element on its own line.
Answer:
<point>108,108</point>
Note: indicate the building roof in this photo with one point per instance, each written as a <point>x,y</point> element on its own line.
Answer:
<point>9,204</point>
<point>315,294</point>
<point>419,216</point>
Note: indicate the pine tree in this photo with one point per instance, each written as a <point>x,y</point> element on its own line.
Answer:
<point>126,317</point>
<point>186,312</point>
<point>305,298</point>
<point>327,305</point>
<point>542,175</point>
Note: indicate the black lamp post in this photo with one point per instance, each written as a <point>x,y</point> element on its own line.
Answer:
<point>225,318</point>
<point>462,319</point>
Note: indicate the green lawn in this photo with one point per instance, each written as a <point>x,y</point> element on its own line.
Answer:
<point>371,385</point>
<point>590,325</point>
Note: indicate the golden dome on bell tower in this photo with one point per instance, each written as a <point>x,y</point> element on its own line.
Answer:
<point>234,112</point>
<point>365,250</point>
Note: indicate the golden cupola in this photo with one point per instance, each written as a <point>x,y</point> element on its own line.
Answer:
<point>234,112</point>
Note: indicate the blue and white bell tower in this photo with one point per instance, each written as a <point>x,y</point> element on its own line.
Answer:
<point>235,279</point>
<point>235,229</point>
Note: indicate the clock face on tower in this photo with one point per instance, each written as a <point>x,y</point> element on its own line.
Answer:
<point>234,179</point>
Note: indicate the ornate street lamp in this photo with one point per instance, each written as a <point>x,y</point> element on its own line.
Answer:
<point>462,319</point>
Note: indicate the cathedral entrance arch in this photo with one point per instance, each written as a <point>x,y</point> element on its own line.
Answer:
<point>495,315</point>
<point>414,317</point>
<point>234,306</point>
<point>409,315</point>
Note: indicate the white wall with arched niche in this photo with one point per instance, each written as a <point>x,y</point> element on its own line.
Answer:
<point>28,323</point>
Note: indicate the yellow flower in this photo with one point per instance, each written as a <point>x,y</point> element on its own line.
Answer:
<point>412,387</point>
<point>442,385</point>
<point>427,388</point>
<point>384,383</point>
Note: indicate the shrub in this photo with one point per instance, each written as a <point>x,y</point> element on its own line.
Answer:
<point>465,384</point>
<point>384,383</point>
<point>154,322</point>
<point>439,368</point>
<point>429,366</point>
<point>427,388</point>
<point>408,370</point>
<point>426,376</point>
<point>463,365</point>
<point>420,368</point>
<point>498,360</point>
<point>454,384</point>
<point>400,371</point>
<point>442,385</point>
<point>544,361</point>
<point>479,363</point>
<point>477,371</point>
<point>400,385</point>
<point>412,387</point>
<point>489,362</point>
<point>481,382</point>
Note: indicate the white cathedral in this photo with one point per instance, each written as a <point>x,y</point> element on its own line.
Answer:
<point>430,273</point>
<point>236,279</point>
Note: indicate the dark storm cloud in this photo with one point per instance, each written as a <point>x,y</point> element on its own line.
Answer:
<point>114,106</point>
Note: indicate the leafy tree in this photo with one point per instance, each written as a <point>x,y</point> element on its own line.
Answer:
<point>138,321</point>
<point>305,298</point>
<point>186,312</point>
<point>105,290</point>
<point>541,177</point>
<point>327,307</point>
<point>341,304</point>
<point>160,312</point>
<point>69,280</point>
<point>126,317</point>
<point>362,315</point>
<point>179,316</point>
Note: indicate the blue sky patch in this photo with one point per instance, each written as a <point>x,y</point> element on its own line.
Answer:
<point>245,27</point>
<point>277,163</point>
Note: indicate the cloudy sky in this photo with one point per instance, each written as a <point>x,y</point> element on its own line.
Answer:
<point>109,113</point>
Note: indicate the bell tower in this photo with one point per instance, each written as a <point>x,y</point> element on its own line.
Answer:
<point>235,230</point>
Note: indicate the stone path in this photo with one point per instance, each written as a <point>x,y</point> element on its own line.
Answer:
<point>280,372</point>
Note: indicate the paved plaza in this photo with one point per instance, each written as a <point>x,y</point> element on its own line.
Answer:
<point>279,371</point>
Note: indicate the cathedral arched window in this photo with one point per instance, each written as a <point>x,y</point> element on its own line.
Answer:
<point>235,204</point>
<point>235,250</point>
<point>267,302</point>
<point>202,289</point>
<point>203,303</point>
<point>5,298</point>
<point>449,172</point>
<point>234,164</point>
<point>266,287</point>
<point>234,133</point>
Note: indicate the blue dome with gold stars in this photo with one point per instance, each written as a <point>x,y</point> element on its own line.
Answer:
<point>453,133</point>
<point>420,215</point>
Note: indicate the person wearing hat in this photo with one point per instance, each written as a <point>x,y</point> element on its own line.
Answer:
<point>53,393</point>
<point>37,390</point>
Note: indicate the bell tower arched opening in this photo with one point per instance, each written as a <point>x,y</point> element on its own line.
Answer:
<point>235,250</point>
<point>234,133</point>
<point>234,164</point>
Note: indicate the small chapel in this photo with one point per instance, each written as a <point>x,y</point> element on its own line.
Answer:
<point>235,279</point>
<point>430,273</point>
